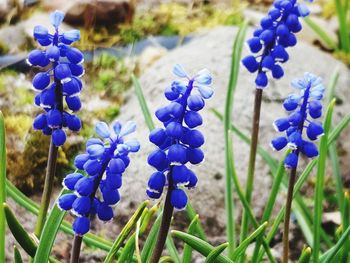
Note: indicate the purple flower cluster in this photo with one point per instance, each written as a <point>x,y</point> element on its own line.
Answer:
<point>179,142</point>
<point>304,108</point>
<point>101,168</point>
<point>269,42</point>
<point>59,81</point>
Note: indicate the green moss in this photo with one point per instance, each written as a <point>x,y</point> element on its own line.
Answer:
<point>18,125</point>
<point>25,96</point>
<point>4,49</point>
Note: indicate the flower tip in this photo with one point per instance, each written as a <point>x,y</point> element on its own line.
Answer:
<point>179,71</point>
<point>56,18</point>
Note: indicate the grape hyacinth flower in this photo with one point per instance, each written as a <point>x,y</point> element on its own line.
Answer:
<point>102,167</point>
<point>270,41</point>
<point>304,109</point>
<point>60,81</point>
<point>179,142</point>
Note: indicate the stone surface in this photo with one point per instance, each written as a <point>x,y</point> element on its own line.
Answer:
<point>82,12</point>
<point>213,51</point>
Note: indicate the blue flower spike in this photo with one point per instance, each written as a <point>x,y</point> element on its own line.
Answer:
<point>269,42</point>
<point>101,169</point>
<point>301,128</point>
<point>178,143</point>
<point>61,80</point>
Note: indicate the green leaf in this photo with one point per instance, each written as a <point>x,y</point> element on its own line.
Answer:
<point>321,167</point>
<point>343,26</point>
<point>191,213</point>
<point>143,104</point>
<point>49,233</point>
<point>150,242</point>
<point>215,253</point>
<point>259,232</point>
<point>328,256</point>
<point>305,256</point>
<point>17,255</point>
<point>125,232</point>
<point>2,187</point>
<point>229,164</point>
<point>199,245</point>
<point>331,44</point>
<point>20,234</point>
<point>166,259</point>
<point>187,253</point>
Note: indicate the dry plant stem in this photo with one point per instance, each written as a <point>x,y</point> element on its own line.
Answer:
<point>74,257</point>
<point>252,157</point>
<point>165,224</point>
<point>287,215</point>
<point>49,178</point>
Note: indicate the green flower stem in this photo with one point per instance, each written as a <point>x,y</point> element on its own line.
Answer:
<point>49,178</point>
<point>292,178</point>
<point>74,258</point>
<point>165,224</point>
<point>251,163</point>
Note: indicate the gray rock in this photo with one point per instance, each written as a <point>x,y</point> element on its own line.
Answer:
<point>213,51</point>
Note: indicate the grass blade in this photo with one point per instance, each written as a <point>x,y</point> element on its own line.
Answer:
<point>235,63</point>
<point>331,253</point>
<point>20,234</point>
<point>142,102</point>
<point>187,253</point>
<point>125,232</point>
<point>343,26</point>
<point>305,256</point>
<point>2,187</point>
<point>321,165</point>
<point>259,232</point>
<point>49,233</point>
<point>215,253</point>
<point>17,255</point>
<point>150,242</point>
<point>199,245</point>
<point>331,44</point>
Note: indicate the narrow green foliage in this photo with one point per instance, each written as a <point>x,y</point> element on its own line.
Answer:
<point>329,256</point>
<point>199,245</point>
<point>344,36</point>
<point>331,44</point>
<point>143,103</point>
<point>17,255</point>
<point>259,232</point>
<point>215,253</point>
<point>125,232</point>
<point>305,256</point>
<point>166,259</point>
<point>346,223</point>
<point>187,252</point>
<point>2,187</point>
<point>170,245</point>
<point>191,213</point>
<point>49,233</point>
<point>235,62</point>
<point>321,166</point>
<point>20,234</point>
<point>150,242</point>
